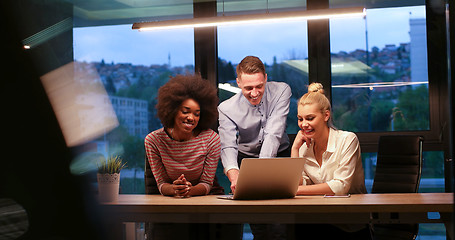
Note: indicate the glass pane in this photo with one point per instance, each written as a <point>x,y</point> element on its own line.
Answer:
<point>283,47</point>
<point>132,66</point>
<point>255,6</point>
<point>379,71</point>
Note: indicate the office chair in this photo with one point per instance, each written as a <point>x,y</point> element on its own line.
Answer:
<point>398,170</point>
<point>150,182</point>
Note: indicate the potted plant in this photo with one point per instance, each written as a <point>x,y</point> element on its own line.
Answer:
<point>108,176</point>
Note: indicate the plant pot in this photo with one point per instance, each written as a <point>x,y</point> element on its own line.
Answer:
<point>108,187</point>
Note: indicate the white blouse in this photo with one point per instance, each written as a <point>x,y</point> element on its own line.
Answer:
<point>341,166</point>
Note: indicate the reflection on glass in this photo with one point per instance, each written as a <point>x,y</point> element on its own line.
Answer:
<point>379,71</point>
<point>80,103</point>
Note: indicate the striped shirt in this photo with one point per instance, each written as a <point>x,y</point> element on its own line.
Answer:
<point>197,158</point>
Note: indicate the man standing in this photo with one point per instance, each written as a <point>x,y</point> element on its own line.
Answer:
<point>253,123</point>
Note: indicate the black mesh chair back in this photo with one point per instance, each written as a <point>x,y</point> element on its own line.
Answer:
<point>399,164</point>
<point>398,170</point>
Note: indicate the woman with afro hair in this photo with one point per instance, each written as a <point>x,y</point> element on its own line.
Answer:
<point>184,154</point>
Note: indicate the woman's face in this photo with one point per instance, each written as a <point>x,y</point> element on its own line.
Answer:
<point>311,120</point>
<point>187,116</point>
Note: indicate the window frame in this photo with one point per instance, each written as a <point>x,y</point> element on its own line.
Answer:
<point>435,139</point>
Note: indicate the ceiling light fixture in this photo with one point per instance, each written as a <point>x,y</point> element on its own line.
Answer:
<point>251,19</point>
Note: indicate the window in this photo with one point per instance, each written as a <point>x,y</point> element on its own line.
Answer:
<point>380,84</point>
<point>281,46</point>
<point>379,71</point>
<point>380,75</point>
<point>132,66</point>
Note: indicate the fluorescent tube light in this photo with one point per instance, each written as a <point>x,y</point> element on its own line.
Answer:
<point>251,18</point>
<point>48,33</point>
<point>228,87</point>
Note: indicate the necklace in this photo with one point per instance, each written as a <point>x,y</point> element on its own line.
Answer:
<point>172,134</point>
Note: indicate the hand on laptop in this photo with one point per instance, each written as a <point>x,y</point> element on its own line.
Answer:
<point>233,174</point>
<point>181,186</point>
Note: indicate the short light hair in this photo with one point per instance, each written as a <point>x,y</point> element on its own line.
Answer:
<point>250,65</point>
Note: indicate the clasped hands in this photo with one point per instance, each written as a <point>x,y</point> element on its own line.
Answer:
<point>181,187</point>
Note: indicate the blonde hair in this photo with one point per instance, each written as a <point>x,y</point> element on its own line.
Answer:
<point>315,95</point>
<point>316,87</point>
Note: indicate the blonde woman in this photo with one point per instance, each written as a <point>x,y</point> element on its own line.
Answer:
<point>333,164</point>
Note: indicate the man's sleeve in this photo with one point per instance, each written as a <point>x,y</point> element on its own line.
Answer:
<point>344,173</point>
<point>229,146</point>
<point>276,124</point>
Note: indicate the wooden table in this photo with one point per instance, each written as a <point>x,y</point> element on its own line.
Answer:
<point>360,208</point>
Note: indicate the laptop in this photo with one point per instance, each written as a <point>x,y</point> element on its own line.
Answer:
<point>267,178</point>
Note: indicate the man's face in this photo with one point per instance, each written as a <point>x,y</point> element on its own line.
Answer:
<point>252,86</point>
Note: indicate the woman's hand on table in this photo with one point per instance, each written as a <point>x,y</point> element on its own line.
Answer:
<point>181,186</point>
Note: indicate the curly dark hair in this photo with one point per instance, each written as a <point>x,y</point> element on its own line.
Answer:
<point>183,87</point>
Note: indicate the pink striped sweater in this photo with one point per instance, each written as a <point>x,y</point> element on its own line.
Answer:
<point>196,158</point>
